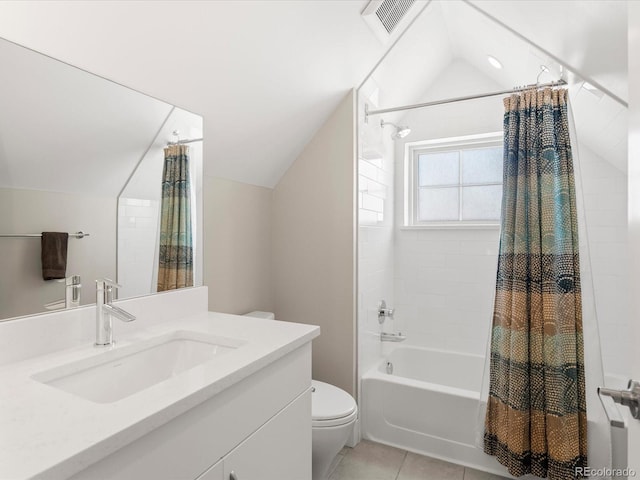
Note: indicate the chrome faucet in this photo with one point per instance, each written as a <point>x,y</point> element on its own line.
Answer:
<point>384,312</point>
<point>72,286</point>
<point>72,291</point>
<point>105,310</point>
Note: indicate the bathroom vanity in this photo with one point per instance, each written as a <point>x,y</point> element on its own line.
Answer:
<point>201,395</point>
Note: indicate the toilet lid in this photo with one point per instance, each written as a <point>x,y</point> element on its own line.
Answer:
<point>329,402</point>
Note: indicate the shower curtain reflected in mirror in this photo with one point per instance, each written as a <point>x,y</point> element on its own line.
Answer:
<point>175,263</point>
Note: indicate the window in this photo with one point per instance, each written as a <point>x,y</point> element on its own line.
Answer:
<point>456,181</point>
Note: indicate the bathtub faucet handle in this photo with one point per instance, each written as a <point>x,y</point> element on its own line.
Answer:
<point>384,312</point>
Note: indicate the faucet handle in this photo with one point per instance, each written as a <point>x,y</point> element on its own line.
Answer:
<point>107,282</point>
<point>384,312</point>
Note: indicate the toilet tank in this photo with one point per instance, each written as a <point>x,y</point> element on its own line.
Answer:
<point>259,314</point>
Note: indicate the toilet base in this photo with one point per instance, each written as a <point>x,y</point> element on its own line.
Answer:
<point>327,443</point>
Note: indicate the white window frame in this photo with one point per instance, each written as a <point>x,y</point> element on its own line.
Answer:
<point>411,187</point>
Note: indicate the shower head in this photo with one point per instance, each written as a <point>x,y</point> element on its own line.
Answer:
<point>400,132</point>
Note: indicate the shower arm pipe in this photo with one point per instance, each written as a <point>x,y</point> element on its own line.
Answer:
<point>368,112</point>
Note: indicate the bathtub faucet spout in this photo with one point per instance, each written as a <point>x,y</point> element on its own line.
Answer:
<point>392,337</point>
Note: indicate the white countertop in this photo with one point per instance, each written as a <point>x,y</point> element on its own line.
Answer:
<point>48,433</point>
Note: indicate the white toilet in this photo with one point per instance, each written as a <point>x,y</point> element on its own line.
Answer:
<point>333,413</point>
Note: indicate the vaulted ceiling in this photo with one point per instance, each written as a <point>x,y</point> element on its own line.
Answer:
<point>265,75</point>
<point>452,31</point>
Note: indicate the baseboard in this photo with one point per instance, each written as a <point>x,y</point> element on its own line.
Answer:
<point>355,436</point>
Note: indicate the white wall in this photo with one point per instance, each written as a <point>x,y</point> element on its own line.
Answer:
<point>22,289</point>
<point>313,245</point>
<point>237,253</point>
<point>634,211</point>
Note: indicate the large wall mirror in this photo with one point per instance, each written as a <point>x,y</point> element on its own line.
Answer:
<point>79,153</point>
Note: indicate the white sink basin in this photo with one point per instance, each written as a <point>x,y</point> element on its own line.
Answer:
<point>121,372</point>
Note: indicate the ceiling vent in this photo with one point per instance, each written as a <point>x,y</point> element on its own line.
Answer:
<point>392,11</point>
<point>389,17</point>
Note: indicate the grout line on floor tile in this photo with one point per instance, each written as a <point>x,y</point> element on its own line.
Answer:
<point>404,459</point>
<point>337,464</point>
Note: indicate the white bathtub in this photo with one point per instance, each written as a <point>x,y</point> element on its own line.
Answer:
<point>428,405</point>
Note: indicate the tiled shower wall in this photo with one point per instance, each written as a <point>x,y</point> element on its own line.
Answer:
<point>605,202</point>
<point>444,287</point>
<point>445,279</point>
<point>375,235</point>
<point>137,236</point>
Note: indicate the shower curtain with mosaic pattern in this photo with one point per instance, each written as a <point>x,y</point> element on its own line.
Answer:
<point>536,412</point>
<point>175,268</point>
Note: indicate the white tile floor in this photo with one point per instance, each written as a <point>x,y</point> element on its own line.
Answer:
<point>374,461</point>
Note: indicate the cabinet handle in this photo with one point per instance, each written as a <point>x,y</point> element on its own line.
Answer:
<point>233,476</point>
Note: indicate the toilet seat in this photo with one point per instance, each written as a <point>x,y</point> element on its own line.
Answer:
<point>331,406</point>
<point>334,422</point>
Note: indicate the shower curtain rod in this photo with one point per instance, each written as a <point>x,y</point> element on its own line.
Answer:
<point>180,142</point>
<point>368,112</point>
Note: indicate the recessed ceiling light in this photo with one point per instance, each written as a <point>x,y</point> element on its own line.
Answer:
<point>495,63</point>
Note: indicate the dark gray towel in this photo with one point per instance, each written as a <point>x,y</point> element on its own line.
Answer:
<point>54,255</point>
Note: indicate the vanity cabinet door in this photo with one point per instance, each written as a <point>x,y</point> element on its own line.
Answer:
<point>216,472</point>
<point>279,450</point>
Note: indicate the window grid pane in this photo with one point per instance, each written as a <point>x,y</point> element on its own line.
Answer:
<point>481,202</point>
<point>460,185</point>
<point>438,169</point>
<point>481,165</point>
<point>438,204</point>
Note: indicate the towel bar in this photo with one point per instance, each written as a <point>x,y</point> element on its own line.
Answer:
<point>80,234</point>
